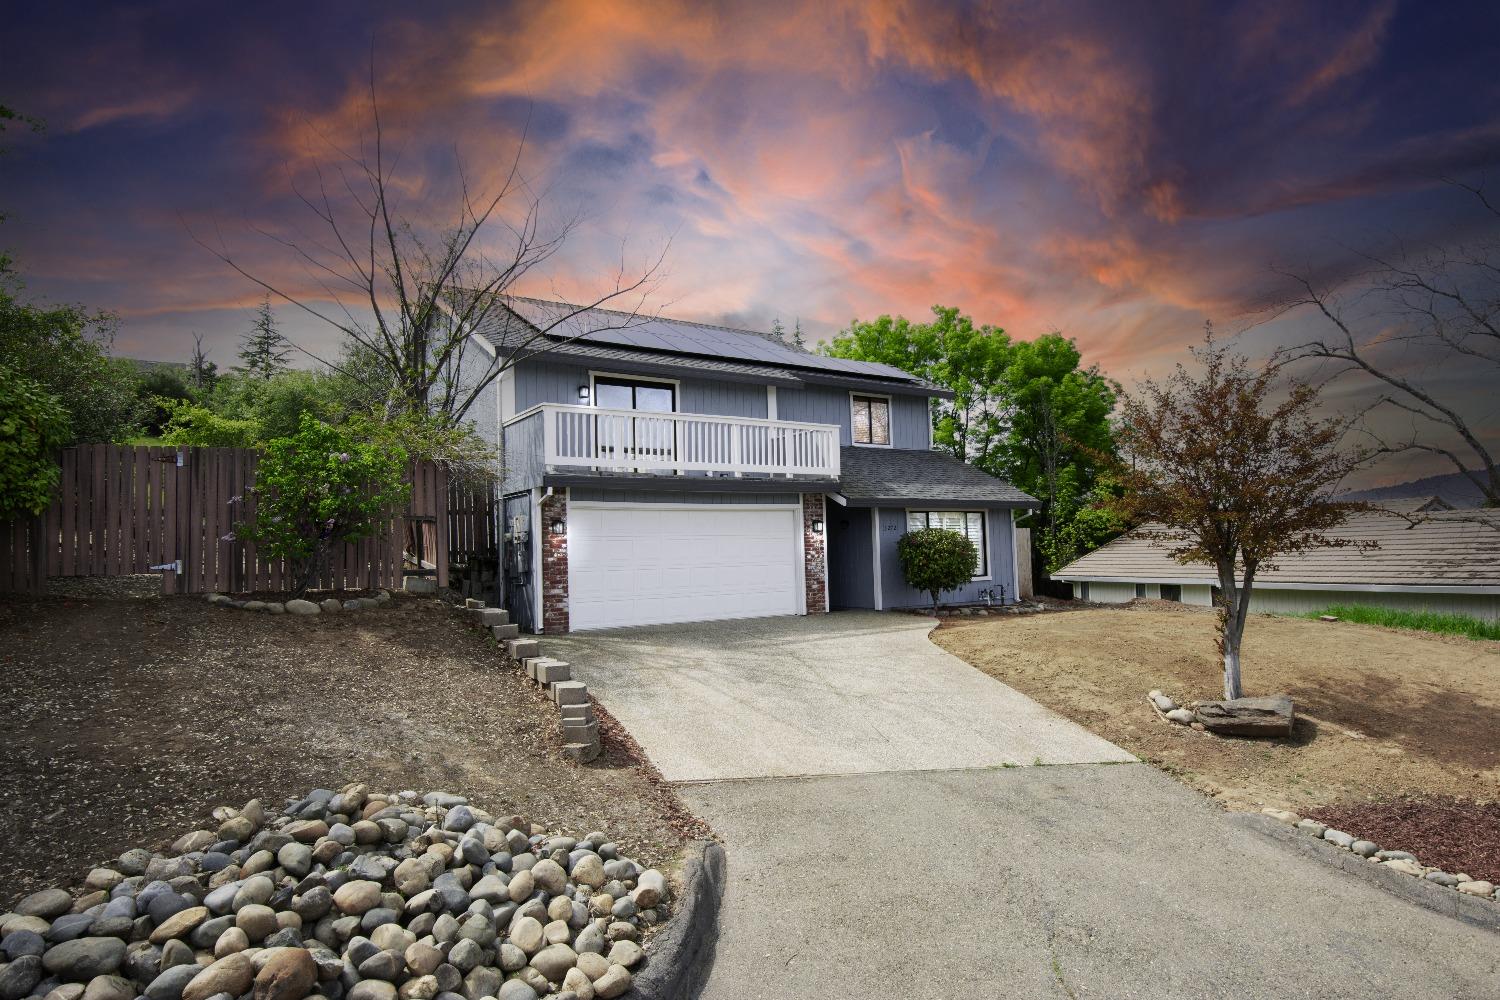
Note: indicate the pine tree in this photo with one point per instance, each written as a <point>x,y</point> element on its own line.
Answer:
<point>797,340</point>
<point>263,351</point>
<point>777,330</point>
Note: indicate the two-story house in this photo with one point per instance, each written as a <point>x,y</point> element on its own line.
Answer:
<point>668,471</point>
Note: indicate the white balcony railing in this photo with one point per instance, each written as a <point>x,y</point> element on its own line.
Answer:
<point>587,437</point>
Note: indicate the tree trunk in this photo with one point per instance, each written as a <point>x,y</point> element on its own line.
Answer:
<point>1232,672</point>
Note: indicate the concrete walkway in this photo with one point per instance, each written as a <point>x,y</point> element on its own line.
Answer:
<point>923,879</point>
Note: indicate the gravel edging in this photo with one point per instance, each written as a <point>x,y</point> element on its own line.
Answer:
<point>1469,909</point>
<point>682,952</point>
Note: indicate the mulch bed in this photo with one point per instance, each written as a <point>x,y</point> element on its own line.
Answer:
<point>1456,835</point>
<point>126,721</point>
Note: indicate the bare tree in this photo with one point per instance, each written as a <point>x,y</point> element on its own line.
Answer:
<point>1225,475</point>
<point>1445,305</point>
<point>408,301</point>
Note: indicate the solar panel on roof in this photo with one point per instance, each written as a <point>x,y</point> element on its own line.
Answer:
<point>681,337</point>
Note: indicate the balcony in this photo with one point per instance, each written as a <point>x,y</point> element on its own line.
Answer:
<point>562,438</point>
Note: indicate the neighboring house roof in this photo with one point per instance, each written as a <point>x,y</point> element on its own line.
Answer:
<point>879,476</point>
<point>648,343</point>
<point>1420,546</point>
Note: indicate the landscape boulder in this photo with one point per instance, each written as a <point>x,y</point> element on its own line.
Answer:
<point>1270,715</point>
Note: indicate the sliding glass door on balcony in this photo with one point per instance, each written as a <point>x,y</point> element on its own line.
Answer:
<point>625,439</point>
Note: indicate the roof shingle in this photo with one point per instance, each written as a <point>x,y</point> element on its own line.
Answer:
<point>1433,549</point>
<point>898,475</point>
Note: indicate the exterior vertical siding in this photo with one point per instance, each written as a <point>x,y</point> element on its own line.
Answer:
<point>547,382</point>
<point>521,457</point>
<point>897,594</point>
<point>910,418</point>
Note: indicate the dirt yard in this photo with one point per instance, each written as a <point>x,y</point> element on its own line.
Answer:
<point>126,721</point>
<point>1381,713</point>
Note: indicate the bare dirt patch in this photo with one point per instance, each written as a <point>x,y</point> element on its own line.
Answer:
<point>126,721</point>
<point>1382,713</point>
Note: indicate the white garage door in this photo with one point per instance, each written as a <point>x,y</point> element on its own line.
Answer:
<point>653,564</point>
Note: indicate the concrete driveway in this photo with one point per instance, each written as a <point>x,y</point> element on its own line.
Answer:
<point>905,863</point>
<point>846,693</point>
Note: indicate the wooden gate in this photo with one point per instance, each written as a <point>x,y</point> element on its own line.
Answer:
<point>123,510</point>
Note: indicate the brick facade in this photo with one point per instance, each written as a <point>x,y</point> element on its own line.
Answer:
<point>554,565</point>
<point>815,553</point>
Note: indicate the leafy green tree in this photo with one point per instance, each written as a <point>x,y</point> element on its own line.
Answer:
<point>1059,422</point>
<point>158,391</point>
<point>193,425</point>
<point>33,425</point>
<point>321,488</point>
<point>952,352</point>
<point>934,560</point>
<point>65,348</point>
<point>263,351</point>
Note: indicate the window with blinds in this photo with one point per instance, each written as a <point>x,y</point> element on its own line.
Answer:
<point>969,523</point>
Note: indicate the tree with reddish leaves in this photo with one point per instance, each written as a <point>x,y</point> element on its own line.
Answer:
<point>1230,467</point>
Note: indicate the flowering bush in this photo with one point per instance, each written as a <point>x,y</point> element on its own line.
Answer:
<point>320,488</point>
<point>935,559</point>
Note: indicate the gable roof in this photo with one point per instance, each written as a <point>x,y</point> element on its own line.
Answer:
<point>654,343</point>
<point>878,476</point>
<point>1417,547</point>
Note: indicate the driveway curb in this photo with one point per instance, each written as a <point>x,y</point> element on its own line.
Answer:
<point>1469,909</point>
<point>682,953</point>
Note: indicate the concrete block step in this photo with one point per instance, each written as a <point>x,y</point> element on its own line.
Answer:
<point>549,671</point>
<point>580,732</point>
<point>419,585</point>
<point>519,649</point>
<point>490,617</point>
<point>577,714</point>
<point>503,632</point>
<point>570,693</point>
<point>582,752</point>
<point>473,604</point>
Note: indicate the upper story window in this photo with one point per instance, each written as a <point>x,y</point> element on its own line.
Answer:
<point>615,393</point>
<point>872,419</point>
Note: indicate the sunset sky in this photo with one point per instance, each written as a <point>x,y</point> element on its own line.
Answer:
<point>1117,171</point>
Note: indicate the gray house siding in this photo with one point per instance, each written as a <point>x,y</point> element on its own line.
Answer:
<point>851,559</point>
<point>549,382</point>
<point>1294,602</point>
<point>896,594</point>
<point>823,405</point>
<point>474,363</point>
<point>521,457</point>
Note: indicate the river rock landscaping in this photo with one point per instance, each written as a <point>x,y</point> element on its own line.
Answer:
<point>344,894</point>
<point>126,721</point>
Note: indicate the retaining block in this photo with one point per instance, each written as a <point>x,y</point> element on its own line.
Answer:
<point>582,752</point>
<point>473,604</point>
<point>570,693</point>
<point>504,632</point>
<point>587,732</point>
<point>552,671</point>
<point>519,649</point>
<point>419,585</point>
<point>490,617</point>
<point>577,714</point>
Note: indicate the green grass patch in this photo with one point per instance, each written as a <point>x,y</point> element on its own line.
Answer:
<point>1421,621</point>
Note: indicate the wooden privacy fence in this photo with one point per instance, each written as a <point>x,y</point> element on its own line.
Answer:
<point>123,510</point>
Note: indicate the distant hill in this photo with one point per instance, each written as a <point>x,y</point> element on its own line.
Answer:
<point>1454,488</point>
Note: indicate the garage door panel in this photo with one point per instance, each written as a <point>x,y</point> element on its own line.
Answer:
<point>641,566</point>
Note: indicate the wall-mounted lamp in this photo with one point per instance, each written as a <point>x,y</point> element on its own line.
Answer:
<point>817,526</point>
<point>559,528</point>
<point>583,393</point>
